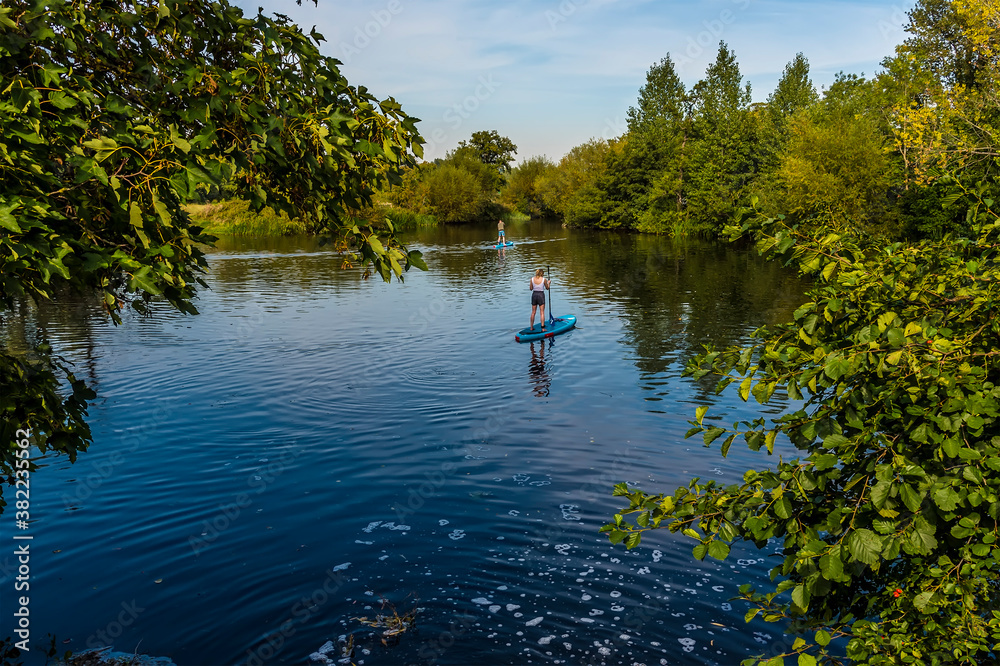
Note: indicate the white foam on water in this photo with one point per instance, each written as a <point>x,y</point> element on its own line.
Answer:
<point>545,640</point>
<point>494,608</point>
<point>455,535</point>
<point>443,522</point>
<point>512,607</point>
<point>532,623</point>
<point>482,601</point>
<point>341,567</point>
<point>687,644</point>
<point>371,526</point>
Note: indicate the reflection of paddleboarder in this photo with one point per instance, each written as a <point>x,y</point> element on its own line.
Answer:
<point>538,285</point>
<point>500,238</point>
<point>537,371</point>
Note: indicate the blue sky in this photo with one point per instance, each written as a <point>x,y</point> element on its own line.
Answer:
<point>552,74</point>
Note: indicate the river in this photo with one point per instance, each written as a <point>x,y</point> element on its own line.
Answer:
<point>315,448</point>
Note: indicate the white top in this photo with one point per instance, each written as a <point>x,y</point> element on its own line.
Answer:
<point>537,286</point>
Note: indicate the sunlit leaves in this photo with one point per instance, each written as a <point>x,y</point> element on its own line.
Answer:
<point>114,114</point>
<point>889,515</point>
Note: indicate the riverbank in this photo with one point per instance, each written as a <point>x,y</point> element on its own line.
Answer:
<point>233,217</point>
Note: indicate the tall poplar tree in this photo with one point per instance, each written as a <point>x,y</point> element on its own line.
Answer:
<point>722,158</point>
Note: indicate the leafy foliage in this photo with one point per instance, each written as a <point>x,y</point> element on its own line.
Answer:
<point>888,519</point>
<point>522,192</point>
<point>492,149</point>
<point>115,114</point>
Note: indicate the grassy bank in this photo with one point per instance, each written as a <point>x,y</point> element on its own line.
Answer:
<point>234,218</point>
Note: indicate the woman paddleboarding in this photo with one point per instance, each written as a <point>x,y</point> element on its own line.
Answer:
<point>538,285</point>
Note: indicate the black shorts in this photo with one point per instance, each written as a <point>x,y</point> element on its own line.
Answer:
<point>538,298</point>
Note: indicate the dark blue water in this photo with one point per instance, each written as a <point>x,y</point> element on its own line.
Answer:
<point>314,448</point>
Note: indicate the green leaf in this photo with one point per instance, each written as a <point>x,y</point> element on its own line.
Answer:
<point>831,566</point>
<point>718,549</point>
<point>911,498</point>
<point>800,597</point>
<point>712,434</point>
<point>865,546</point>
<point>142,281</point>
<point>783,508</point>
<point>375,244</point>
<point>807,659</point>
<point>896,337</point>
<point>416,259</point>
<point>923,602</point>
<point>135,214</point>
<point>745,389</point>
<point>7,221</point>
<point>822,638</point>
<point>946,498</point>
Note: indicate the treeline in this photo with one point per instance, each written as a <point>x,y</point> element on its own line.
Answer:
<point>886,513</point>
<point>467,185</point>
<point>867,152</point>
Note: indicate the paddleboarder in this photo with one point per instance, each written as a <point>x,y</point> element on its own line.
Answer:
<point>538,285</point>
<point>500,238</point>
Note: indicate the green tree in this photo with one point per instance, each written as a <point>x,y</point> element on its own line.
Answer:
<point>660,128</point>
<point>492,149</point>
<point>888,519</point>
<point>663,104</point>
<point>836,161</point>
<point>522,191</point>
<point>114,114</point>
<point>453,194</point>
<point>573,182</point>
<point>722,161</point>
<point>794,93</point>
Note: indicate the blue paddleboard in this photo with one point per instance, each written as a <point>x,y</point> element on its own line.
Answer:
<point>507,244</point>
<point>555,326</point>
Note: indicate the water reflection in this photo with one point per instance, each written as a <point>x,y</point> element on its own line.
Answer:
<point>390,396</point>
<point>537,371</point>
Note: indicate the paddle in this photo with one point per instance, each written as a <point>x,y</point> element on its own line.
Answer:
<point>551,318</point>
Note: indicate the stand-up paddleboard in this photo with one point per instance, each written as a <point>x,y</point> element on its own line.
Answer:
<point>555,326</point>
<point>507,244</point>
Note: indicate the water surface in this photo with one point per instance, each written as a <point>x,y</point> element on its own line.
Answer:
<point>315,448</point>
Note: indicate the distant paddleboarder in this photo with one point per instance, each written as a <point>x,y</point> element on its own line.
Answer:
<point>500,238</point>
